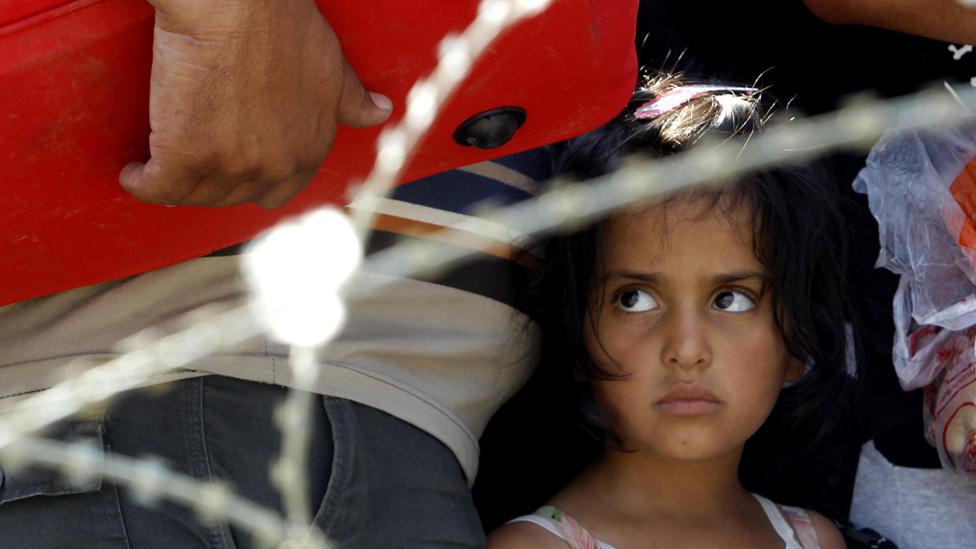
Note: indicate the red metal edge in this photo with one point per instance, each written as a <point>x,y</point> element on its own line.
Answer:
<point>92,236</point>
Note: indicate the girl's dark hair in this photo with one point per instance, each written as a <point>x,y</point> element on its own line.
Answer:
<point>798,236</point>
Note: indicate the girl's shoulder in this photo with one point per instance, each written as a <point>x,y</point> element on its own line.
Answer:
<point>809,529</point>
<point>548,527</point>
<point>551,528</point>
<point>523,535</point>
<point>827,533</point>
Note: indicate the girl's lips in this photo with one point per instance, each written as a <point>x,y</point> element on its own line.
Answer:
<point>688,400</point>
<point>688,407</point>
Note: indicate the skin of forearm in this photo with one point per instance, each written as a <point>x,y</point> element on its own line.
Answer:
<point>945,20</point>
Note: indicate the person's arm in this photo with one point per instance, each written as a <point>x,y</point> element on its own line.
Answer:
<point>827,534</point>
<point>945,20</point>
<point>244,101</point>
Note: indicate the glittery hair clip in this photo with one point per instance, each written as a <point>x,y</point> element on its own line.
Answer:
<point>675,98</point>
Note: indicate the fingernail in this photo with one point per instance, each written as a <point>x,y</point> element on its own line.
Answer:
<point>381,101</point>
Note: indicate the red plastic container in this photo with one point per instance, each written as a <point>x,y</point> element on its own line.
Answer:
<point>74,87</point>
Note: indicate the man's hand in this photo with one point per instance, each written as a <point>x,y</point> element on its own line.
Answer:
<point>244,101</point>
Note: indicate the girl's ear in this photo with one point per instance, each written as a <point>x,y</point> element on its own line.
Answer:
<point>795,370</point>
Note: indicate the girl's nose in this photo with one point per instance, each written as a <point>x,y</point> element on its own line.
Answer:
<point>687,344</point>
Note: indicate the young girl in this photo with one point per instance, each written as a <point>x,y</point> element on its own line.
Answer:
<point>680,323</point>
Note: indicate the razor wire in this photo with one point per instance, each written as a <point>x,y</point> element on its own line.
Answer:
<point>565,206</point>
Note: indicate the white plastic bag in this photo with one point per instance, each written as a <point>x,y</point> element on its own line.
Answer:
<point>921,188</point>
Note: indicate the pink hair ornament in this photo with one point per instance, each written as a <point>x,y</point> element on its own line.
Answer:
<point>676,97</point>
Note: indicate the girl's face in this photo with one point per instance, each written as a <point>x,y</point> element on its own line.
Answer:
<point>686,320</point>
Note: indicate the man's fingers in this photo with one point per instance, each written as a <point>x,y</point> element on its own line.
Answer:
<point>150,183</point>
<point>243,193</point>
<point>285,191</point>
<point>131,175</point>
<point>235,142</point>
<point>357,107</point>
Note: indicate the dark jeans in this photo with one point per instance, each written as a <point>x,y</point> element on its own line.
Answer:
<point>374,480</point>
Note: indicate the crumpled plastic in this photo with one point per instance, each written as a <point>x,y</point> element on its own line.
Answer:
<point>921,188</point>
<point>949,404</point>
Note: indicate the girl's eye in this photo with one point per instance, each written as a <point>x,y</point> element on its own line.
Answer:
<point>636,301</point>
<point>733,301</point>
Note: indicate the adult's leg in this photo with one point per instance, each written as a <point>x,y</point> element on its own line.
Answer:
<point>393,485</point>
<point>211,428</point>
<point>41,509</point>
<point>375,480</point>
